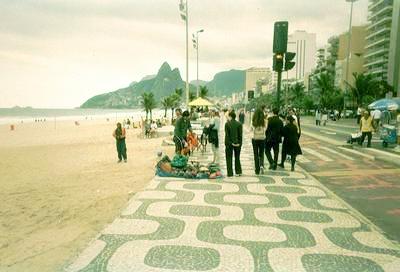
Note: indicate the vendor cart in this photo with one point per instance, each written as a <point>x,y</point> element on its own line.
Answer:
<point>388,135</point>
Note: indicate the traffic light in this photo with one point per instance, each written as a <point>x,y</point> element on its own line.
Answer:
<point>280,37</point>
<point>277,64</point>
<point>289,63</point>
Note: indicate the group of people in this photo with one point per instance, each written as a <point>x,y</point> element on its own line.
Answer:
<point>268,131</point>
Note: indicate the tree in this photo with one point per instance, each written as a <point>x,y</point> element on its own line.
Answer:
<point>175,101</point>
<point>166,104</point>
<point>203,92</point>
<point>192,95</point>
<point>364,85</point>
<point>149,103</point>
<point>325,87</point>
<point>296,95</point>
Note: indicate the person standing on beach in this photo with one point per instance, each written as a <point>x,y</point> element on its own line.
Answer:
<point>258,141</point>
<point>233,144</point>
<point>273,137</point>
<point>119,135</point>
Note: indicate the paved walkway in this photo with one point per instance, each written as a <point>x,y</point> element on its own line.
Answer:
<point>281,221</point>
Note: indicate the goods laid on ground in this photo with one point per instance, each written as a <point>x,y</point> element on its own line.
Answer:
<point>180,167</point>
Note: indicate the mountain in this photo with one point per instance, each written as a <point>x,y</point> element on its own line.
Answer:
<point>226,83</point>
<point>163,84</point>
<point>200,82</point>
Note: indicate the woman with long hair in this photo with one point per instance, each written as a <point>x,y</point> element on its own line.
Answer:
<point>290,144</point>
<point>258,140</point>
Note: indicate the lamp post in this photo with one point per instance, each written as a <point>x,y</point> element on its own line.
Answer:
<point>183,7</point>
<point>348,55</point>
<point>196,46</point>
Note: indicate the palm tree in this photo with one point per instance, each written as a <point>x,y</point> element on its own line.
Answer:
<point>192,96</point>
<point>364,85</point>
<point>325,87</point>
<point>297,94</point>
<point>203,91</point>
<point>166,104</point>
<point>175,101</point>
<point>149,103</point>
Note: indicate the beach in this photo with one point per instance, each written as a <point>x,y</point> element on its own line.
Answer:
<point>61,184</point>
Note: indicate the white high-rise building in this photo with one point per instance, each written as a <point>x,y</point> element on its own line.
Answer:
<point>305,46</point>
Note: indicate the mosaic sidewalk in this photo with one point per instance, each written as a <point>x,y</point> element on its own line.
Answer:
<point>281,221</point>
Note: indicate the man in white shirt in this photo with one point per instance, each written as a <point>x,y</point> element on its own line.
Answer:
<point>376,118</point>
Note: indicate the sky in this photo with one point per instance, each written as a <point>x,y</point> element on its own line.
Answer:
<point>59,53</point>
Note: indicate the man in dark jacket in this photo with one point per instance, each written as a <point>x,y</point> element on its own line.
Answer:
<point>182,125</point>
<point>233,144</point>
<point>273,137</point>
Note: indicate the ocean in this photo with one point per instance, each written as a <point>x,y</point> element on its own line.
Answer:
<point>19,115</point>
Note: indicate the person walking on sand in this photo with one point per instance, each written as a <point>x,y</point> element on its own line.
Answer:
<point>233,144</point>
<point>290,144</point>
<point>119,135</point>
<point>273,137</point>
<point>213,135</point>
<point>366,128</point>
<point>258,141</point>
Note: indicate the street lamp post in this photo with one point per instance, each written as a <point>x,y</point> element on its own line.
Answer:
<point>196,46</point>
<point>183,7</point>
<point>348,55</point>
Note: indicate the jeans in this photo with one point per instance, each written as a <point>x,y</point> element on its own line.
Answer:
<point>229,150</point>
<point>121,149</point>
<point>369,135</point>
<point>275,146</point>
<point>258,150</point>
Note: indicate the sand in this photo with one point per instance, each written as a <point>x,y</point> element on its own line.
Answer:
<point>60,186</point>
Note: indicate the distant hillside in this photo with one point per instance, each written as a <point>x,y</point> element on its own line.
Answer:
<point>226,83</point>
<point>163,84</point>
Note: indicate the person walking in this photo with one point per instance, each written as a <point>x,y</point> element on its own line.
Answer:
<point>376,118</point>
<point>258,141</point>
<point>318,116</point>
<point>233,144</point>
<point>119,135</point>
<point>241,117</point>
<point>366,128</point>
<point>182,125</point>
<point>213,135</point>
<point>273,137</point>
<point>290,144</point>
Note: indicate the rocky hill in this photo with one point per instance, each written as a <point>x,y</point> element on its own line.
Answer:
<point>163,84</point>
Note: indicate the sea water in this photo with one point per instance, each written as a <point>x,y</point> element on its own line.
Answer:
<point>21,115</point>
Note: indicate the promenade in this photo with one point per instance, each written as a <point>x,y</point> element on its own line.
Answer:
<point>280,221</point>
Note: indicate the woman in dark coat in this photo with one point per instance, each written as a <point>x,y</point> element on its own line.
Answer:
<point>290,144</point>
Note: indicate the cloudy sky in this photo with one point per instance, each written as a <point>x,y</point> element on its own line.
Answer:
<point>58,53</point>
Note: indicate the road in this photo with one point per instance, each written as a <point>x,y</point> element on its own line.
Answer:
<point>370,186</point>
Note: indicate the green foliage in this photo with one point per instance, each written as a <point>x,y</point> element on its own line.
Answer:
<point>148,103</point>
<point>364,86</point>
<point>203,92</point>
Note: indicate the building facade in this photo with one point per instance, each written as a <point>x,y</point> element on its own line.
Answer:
<point>356,57</point>
<point>305,46</point>
<point>382,57</point>
<point>257,78</point>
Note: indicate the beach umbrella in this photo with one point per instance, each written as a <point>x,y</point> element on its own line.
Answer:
<point>200,102</point>
<point>386,104</point>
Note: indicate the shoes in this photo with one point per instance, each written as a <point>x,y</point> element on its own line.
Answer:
<point>238,175</point>
<point>271,167</point>
<point>281,165</point>
<point>262,170</point>
<point>292,169</point>
<point>125,160</point>
<point>274,167</point>
<point>119,161</point>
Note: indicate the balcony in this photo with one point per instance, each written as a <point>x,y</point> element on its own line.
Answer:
<point>376,52</point>
<point>384,20</point>
<point>377,42</point>
<point>379,32</point>
<point>376,62</point>
<point>387,9</point>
